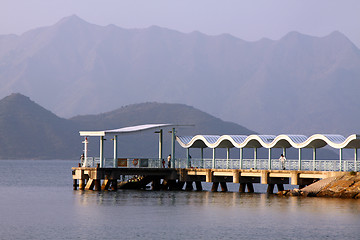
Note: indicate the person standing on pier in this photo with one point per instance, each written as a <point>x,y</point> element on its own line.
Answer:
<point>282,159</point>
<point>169,161</point>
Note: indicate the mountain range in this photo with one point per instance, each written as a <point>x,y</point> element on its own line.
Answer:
<point>29,131</point>
<point>298,84</point>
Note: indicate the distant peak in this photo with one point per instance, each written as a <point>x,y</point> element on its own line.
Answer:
<point>294,34</point>
<point>17,96</point>
<point>337,35</point>
<point>71,19</point>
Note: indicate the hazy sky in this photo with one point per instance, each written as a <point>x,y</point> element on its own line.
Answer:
<point>249,20</point>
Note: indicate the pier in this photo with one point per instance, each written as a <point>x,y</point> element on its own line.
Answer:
<point>100,173</point>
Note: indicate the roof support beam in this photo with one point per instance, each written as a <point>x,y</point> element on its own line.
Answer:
<point>173,148</point>
<point>227,158</point>
<point>314,159</point>
<point>340,159</point>
<point>255,158</point>
<point>299,166</point>
<point>269,160</point>
<point>241,158</point>
<point>101,151</point>
<point>115,151</point>
<point>355,159</point>
<point>213,159</point>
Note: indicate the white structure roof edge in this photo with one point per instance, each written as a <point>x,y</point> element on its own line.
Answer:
<point>124,130</point>
<point>269,141</point>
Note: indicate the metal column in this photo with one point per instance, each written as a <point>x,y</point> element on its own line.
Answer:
<point>115,151</point>
<point>160,145</point>
<point>314,159</point>
<point>173,148</point>
<point>101,151</point>
<point>340,158</point>
<point>241,158</point>
<point>188,158</point>
<point>255,158</point>
<point>269,163</point>
<point>202,157</point>
<point>355,162</point>
<point>299,166</point>
<point>213,160</point>
<point>227,157</point>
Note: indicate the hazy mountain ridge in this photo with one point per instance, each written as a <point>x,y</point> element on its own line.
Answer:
<point>29,131</point>
<point>298,84</point>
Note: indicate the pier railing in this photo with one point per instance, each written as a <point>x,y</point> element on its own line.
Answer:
<point>208,163</point>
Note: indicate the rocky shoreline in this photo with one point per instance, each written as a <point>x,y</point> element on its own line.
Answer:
<point>343,186</point>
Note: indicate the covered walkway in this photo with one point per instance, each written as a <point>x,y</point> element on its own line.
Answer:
<point>270,142</point>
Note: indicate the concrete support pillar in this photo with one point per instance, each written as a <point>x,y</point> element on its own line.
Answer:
<point>215,186</point>
<point>115,151</point>
<point>189,186</point>
<point>101,151</point>
<point>236,176</point>
<point>82,184</point>
<point>97,184</point>
<point>198,186</point>
<point>223,187</point>
<point>250,187</point>
<point>280,187</point>
<point>241,158</point>
<point>340,159</point>
<point>255,158</point>
<point>242,187</point>
<point>114,185</point>
<point>209,175</point>
<point>90,184</point>
<point>269,160</point>
<point>75,184</point>
<point>214,158</point>
<point>180,185</point>
<point>314,159</point>
<point>106,184</point>
<point>270,188</point>
<point>155,185</point>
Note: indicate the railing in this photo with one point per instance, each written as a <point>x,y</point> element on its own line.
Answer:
<point>207,163</point>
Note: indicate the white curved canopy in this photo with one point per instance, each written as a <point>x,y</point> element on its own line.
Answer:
<point>124,130</point>
<point>269,141</point>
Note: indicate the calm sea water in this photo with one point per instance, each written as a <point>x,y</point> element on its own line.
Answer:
<point>37,202</point>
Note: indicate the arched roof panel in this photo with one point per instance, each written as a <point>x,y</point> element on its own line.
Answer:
<point>269,141</point>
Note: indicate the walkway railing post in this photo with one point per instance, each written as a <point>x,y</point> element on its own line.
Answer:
<point>213,160</point>
<point>241,158</point>
<point>340,159</point>
<point>269,162</point>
